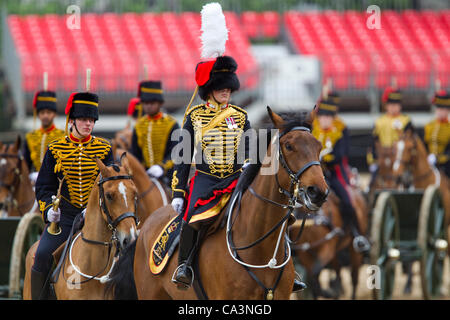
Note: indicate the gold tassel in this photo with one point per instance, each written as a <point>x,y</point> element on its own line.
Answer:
<point>67,124</point>
<point>34,118</point>
<point>189,105</point>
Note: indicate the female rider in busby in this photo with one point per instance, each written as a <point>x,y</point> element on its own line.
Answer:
<point>70,159</point>
<point>215,128</point>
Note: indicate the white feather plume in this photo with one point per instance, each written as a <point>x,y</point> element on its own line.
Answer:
<point>214,31</point>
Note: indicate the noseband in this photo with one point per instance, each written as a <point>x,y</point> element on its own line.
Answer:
<point>293,195</point>
<point>295,190</point>
<point>112,223</point>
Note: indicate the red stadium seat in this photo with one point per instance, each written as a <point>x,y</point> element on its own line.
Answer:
<point>408,46</point>
<point>116,48</point>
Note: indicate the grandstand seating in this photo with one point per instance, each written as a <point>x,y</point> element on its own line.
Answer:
<point>411,45</point>
<point>116,48</point>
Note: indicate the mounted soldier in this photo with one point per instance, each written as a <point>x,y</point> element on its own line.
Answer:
<point>388,127</point>
<point>69,166</point>
<point>332,133</point>
<point>151,140</point>
<point>215,128</point>
<point>37,141</point>
<point>437,133</point>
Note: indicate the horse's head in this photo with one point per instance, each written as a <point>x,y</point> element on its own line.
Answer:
<point>405,155</point>
<point>300,172</point>
<point>10,166</point>
<point>118,199</point>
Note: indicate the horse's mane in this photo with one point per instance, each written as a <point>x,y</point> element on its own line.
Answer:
<point>291,120</point>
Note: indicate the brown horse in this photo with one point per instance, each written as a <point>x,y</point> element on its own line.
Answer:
<point>107,229</point>
<point>412,159</point>
<point>152,194</point>
<point>123,137</point>
<point>385,159</point>
<point>16,191</point>
<point>324,236</point>
<point>259,223</point>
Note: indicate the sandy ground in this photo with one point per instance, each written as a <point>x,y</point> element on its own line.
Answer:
<point>364,293</point>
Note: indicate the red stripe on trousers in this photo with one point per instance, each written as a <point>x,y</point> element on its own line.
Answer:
<point>191,187</point>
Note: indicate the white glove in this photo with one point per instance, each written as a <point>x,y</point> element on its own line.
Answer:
<point>373,167</point>
<point>155,171</point>
<point>432,159</point>
<point>53,216</point>
<point>177,204</point>
<point>33,177</point>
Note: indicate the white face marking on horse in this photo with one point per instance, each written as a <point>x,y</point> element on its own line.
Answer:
<point>123,191</point>
<point>3,162</point>
<point>400,148</point>
<point>133,233</point>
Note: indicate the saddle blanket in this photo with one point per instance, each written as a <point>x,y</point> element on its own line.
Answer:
<point>165,245</point>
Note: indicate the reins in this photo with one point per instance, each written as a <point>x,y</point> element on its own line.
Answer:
<point>295,194</point>
<point>113,242</point>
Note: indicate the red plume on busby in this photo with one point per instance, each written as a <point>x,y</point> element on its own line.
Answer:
<point>134,108</point>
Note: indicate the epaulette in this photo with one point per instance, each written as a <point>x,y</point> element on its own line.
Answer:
<point>237,108</point>
<point>62,139</point>
<point>193,108</point>
<point>339,124</point>
<point>100,139</point>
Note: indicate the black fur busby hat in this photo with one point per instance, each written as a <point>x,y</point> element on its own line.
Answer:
<point>82,105</point>
<point>327,107</point>
<point>216,75</point>
<point>150,91</point>
<point>442,99</point>
<point>44,100</point>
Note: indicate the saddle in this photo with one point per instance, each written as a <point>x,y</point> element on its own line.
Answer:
<point>59,255</point>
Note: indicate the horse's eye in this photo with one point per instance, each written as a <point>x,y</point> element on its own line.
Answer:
<point>109,196</point>
<point>288,147</point>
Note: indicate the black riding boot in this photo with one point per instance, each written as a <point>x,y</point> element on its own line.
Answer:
<point>183,275</point>
<point>360,242</point>
<point>39,285</point>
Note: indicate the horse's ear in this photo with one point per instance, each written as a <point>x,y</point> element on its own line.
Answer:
<point>276,119</point>
<point>409,130</point>
<point>312,115</point>
<point>114,147</point>
<point>18,142</point>
<point>101,166</point>
<point>125,163</point>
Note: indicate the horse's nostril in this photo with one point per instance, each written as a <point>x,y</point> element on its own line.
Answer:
<point>315,194</point>
<point>312,192</point>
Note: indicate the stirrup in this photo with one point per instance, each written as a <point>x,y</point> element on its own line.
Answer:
<point>299,285</point>
<point>361,244</point>
<point>182,285</point>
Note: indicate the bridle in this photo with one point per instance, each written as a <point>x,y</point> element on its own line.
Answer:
<point>112,223</point>
<point>294,194</point>
<point>295,191</point>
<point>12,187</point>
